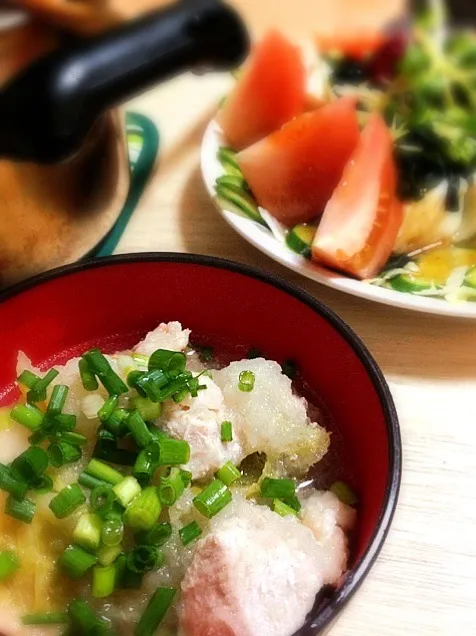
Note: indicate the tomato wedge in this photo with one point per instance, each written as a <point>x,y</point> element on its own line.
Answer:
<point>269,93</point>
<point>293,172</point>
<point>354,45</point>
<point>360,224</point>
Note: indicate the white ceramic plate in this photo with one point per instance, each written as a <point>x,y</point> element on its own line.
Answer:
<point>269,243</point>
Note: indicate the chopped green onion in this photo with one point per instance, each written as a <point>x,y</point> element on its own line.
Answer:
<point>140,358</point>
<point>100,470</point>
<point>150,384</point>
<point>30,464</point>
<point>180,395</point>
<point>132,378</point>
<point>112,532</point>
<point>57,399</point>
<point>226,431</point>
<point>172,362</point>
<point>159,534</point>
<point>144,468</point>
<point>75,562</point>
<point>144,558</point>
<point>28,379</point>
<point>344,493</point>
<point>144,511</point>
<point>289,368</point>
<point>28,415</point>
<point>9,564</point>
<point>38,437</point>
<point>102,499</point>
<point>205,353</point>
<point>43,485</point>
<point>88,378</point>
<point>212,499</point>
<point>189,533</point>
<point>127,578</point>
<point>148,410</point>
<point>186,477</point>
<point>155,611</point>
<point>116,423</point>
<point>107,450</point>
<point>126,490</point>
<point>138,429</point>
<point>101,368</point>
<point>48,618</point>
<point>277,488</point>
<point>11,484</point>
<point>90,482</point>
<point>154,447</point>
<point>173,451</point>
<point>228,473</point>
<point>108,408</point>
<point>283,509</point>
<point>246,381</point>
<point>61,453</point>
<point>21,509</point>
<point>293,502</point>
<point>104,581</point>
<point>87,533</point>
<point>83,620</point>
<point>108,554</point>
<point>67,501</point>
<point>76,439</point>
<point>171,487</point>
<point>38,392</point>
<point>65,421</point>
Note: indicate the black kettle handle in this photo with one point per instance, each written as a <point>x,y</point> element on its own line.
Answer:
<point>47,111</point>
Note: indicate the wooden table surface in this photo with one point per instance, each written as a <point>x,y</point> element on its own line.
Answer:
<point>424,582</point>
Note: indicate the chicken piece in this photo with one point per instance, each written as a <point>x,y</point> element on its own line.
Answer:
<point>198,421</point>
<point>256,573</point>
<point>271,418</point>
<point>168,335</point>
<point>329,519</point>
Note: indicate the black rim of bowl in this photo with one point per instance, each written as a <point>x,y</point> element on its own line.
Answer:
<point>328,612</point>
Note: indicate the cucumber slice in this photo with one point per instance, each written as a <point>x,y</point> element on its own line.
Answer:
<point>300,238</point>
<point>242,200</point>
<point>232,181</point>
<point>410,284</point>
<point>470,278</point>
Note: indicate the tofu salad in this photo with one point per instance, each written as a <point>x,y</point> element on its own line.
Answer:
<point>161,491</point>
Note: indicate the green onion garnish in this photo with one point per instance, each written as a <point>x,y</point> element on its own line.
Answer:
<point>108,408</point>
<point>205,353</point>
<point>173,451</point>
<point>277,488</point>
<point>108,554</point>
<point>138,429</point>
<point>102,499</point>
<point>38,392</point>
<point>132,378</point>
<point>21,509</point>
<point>48,618</point>
<point>30,465</point>
<point>159,534</point>
<point>150,384</point>
<point>172,362</point>
<point>189,533</point>
<point>9,564</point>
<point>148,410</point>
<point>155,611</point>
<point>87,533</point>
<point>28,379</point>
<point>65,422</point>
<point>283,509</point>
<point>76,439</point>
<point>112,532</point>
<point>116,423</point>
<point>144,511</point>
<point>246,381</point>
<point>171,487</point>
<point>43,485</point>
<point>293,502</point>
<point>144,467</point>
<point>228,473</point>
<point>57,399</point>
<point>102,471</point>
<point>83,620</point>
<point>28,415</point>
<point>344,493</point>
<point>61,453</point>
<point>212,499</point>
<point>186,477</point>
<point>125,577</point>
<point>107,450</point>
<point>101,368</point>
<point>67,501</point>
<point>104,581</point>
<point>144,558</point>
<point>126,490</point>
<point>88,481</point>
<point>11,484</point>
<point>88,378</point>
<point>75,562</point>
<point>226,431</point>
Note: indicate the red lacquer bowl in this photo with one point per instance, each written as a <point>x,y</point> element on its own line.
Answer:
<point>111,303</point>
